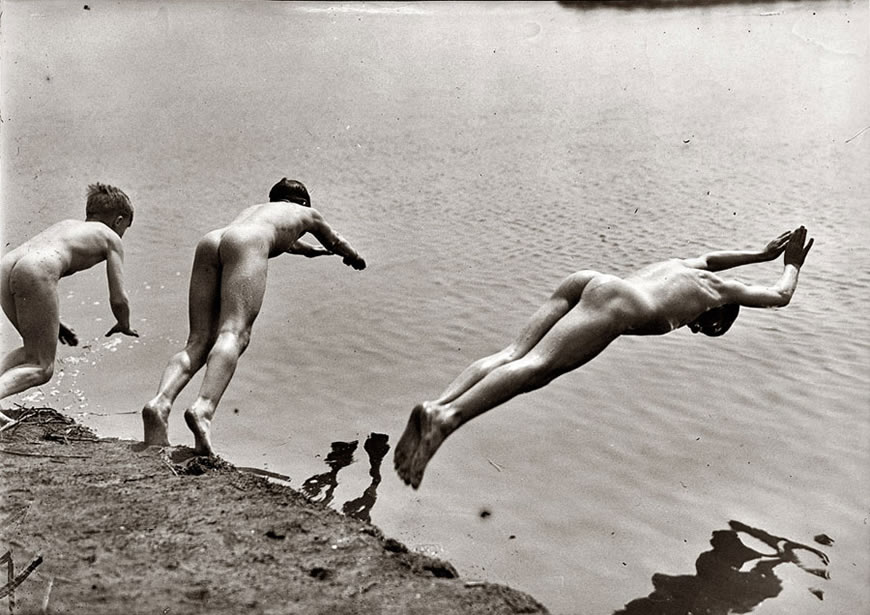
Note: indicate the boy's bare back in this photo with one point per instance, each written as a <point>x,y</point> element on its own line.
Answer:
<point>65,248</point>
<point>282,224</point>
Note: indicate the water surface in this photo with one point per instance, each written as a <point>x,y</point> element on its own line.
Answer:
<point>476,154</point>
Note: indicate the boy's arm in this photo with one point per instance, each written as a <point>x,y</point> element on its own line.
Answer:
<point>307,250</point>
<point>726,259</point>
<point>333,242</point>
<point>117,295</point>
<point>755,295</point>
<point>779,294</point>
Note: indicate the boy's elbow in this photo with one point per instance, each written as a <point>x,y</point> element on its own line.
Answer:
<point>782,298</point>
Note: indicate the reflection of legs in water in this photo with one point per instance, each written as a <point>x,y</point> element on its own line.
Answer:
<point>376,446</point>
<point>324,484</point>
<point>203,311</point>
<point>560,337</point>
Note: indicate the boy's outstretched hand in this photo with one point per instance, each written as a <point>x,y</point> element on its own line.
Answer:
<point>67,336</point>
<point>775,247</point>
<point>357,263</point>
<point>119,328</point>
<point>796,252</point>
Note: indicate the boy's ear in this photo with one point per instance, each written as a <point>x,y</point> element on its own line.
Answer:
<point>118,222</point>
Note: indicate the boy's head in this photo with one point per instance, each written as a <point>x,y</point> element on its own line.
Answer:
<point>717,321</point>
<point>109,205</point>
<point>290,190</point>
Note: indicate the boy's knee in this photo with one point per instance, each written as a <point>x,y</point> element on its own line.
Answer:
<point>243,338</point>
<point>44,372</point>
<point>509,354</point>
<point>535,374</point>
<point>197,348</point>
<point>236,339</point>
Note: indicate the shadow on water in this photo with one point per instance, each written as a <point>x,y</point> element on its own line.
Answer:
<point>719,586</point>
<point>321,487</point>
<point>376,446</point>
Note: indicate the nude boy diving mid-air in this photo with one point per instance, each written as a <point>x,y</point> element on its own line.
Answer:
<point>226,291</point>
<point>586,313</point>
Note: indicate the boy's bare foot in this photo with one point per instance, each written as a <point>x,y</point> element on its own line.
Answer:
<point>407,443</point>
<point>199,422</point>
<point>425,432</point>
<point>155,418</point>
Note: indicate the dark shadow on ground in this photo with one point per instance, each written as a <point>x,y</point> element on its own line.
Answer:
<point>719,586</point>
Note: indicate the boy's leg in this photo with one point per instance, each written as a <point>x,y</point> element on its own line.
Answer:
<point>575,339</point>
<point>560,302</point>
<point>203,306</point>
<point>13,358</point>
<point>7,301</point>
<point>17,356</point>
<point>243,283</point>
<point>35,313</point>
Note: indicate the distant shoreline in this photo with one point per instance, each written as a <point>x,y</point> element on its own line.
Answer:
<point>122,527</point>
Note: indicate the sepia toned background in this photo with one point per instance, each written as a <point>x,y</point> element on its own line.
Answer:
<point>475,154</point>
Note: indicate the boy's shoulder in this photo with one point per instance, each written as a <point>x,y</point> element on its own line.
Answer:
<point>82,233</point>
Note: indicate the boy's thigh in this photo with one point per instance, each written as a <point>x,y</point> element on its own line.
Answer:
<point>7,301</point>
<point>575,339</point>
<point>36,311</point>
<point>243,286</point>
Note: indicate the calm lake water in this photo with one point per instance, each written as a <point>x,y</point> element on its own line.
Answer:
<point>476,154</point>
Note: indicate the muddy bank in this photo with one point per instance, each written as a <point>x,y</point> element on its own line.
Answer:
<point>98,525</point>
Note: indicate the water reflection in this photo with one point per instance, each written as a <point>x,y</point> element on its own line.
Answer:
<point>627,5</point>
<point>376,446</point>
<point>719,586</point>
<point>321,487</point>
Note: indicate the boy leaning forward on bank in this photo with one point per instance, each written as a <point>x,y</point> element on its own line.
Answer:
<point>30,273</point>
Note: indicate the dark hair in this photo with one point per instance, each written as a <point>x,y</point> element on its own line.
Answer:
<point>290,190</point>
<point>106,200</point>
<point>717,321</point>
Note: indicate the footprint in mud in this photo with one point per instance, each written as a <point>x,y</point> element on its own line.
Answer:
<point>321,487</point>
